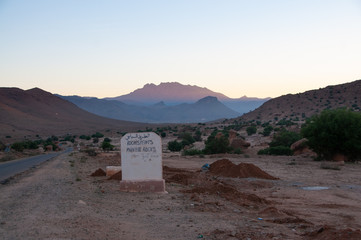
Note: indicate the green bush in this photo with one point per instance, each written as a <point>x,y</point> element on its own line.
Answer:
<point>334,132</point>
<point>187,138</point>
<point>107,146</point>
<point>192,152</point>
<point>198,136</point>
<point>18,146</point>
<point>175,146</point>
<point>267,130</point>
<point>85,137</point>
<point>216,145</point>
<point>285,138</point>
<point>97,135</point>
<point>251,130</point>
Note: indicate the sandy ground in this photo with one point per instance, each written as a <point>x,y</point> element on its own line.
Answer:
<point>60,200</point>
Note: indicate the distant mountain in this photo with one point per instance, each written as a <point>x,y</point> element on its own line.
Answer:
<point>173,93</point>
<point>303,105</point>
<point>170,92</point>
<point>35,111</point>
<point>206,109</point>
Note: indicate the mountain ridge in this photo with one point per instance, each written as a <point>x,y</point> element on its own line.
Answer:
<point>206,109</point>
<point>174,93</point>
<point>304,105</point>
<point>37,112</point>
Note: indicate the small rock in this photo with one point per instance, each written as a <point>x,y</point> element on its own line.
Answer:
<point>81,202</point>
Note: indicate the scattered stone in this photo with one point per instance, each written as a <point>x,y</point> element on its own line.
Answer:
<point>300,147</point>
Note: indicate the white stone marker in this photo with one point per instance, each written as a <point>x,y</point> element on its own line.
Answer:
<point>141,155</point>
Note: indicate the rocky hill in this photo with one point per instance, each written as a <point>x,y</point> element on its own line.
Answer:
<point>170,92</point>
<point>303,105</point>
<point>37,112</point>
<point>173,93</point>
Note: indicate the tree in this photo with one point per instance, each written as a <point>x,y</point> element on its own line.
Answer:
<point>334,132</point>
<point>107,146</point>
<point>175,146</point>
<point>251,130</point>
<point>285,138</point>
<point>216,145</point>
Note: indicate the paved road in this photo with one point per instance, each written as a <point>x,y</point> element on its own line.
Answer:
<point>11,168</point>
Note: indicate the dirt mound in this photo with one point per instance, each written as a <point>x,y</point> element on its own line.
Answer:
<point>330,233</point>
<point>226,168</point>
<point>98,173</point>
<point>203,184</point>
<point>117,176</point>
<point>167,169</point>
<point>179,178</point>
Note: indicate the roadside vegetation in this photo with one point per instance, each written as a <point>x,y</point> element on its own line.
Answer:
<point>334,132</point>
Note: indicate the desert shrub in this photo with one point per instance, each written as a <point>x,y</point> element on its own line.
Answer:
<point>192,152</point>
<point>97,135</point>
<point>281,143</point>
<point>198,136</point>
<point>285,122</point>
<point>334,132</point>
<point>285,138</point>
<point>106,146</point>
<point>85,137</point>
<point>267,130</point>
<point>69,138</point>
<point>18,146</point>
<point>251,130</point>
<point>187,138</point>
<point>163,134</point>
<point>278,150</point>
<point>107,140</point>
<point>175,146</point>
<point>216,145</point>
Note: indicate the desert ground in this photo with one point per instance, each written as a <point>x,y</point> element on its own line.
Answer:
<point>61,200</point>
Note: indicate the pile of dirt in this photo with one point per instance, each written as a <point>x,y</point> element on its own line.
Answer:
<point>226,168</point>
<point>330,233</point>
<point>98,173</point>
<point>117,176</point>
<point>203,184</point>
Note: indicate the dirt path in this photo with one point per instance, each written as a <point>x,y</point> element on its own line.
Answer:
<point>60,200</point>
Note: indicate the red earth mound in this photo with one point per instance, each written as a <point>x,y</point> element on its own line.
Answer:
<point>330,233</point>
<point>98,173</point>
<point>203,184</point>
<point>117,176</point>
<point>226,168</point>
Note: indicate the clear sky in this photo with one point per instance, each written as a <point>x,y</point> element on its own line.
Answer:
<point>258,48</point>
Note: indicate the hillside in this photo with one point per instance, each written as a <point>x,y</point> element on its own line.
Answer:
<point>36,112</point>
<point>206,109</point>
<point>303,105</point>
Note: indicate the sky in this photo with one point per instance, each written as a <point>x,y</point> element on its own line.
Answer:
<point>257,48</point>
